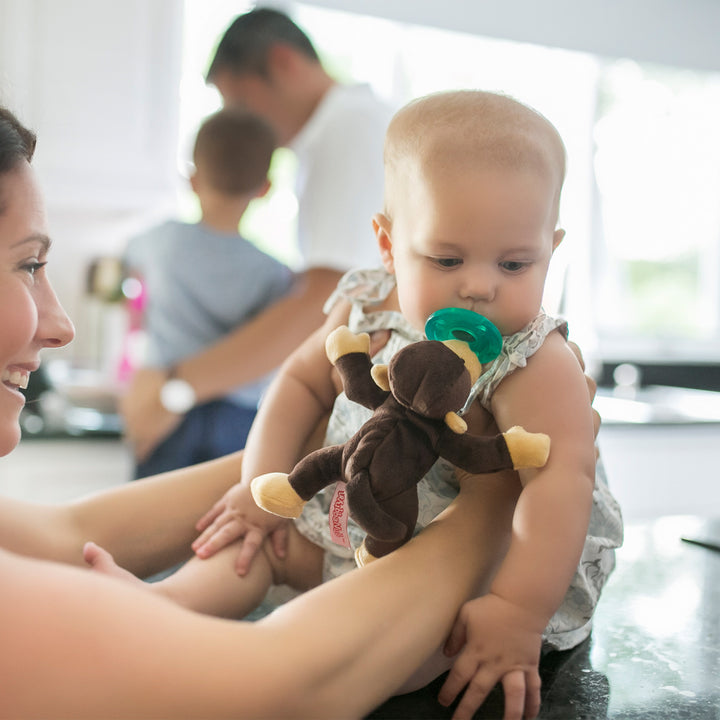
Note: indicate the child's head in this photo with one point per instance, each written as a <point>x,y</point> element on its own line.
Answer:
<point>232,156</point>
<point>472,191</point>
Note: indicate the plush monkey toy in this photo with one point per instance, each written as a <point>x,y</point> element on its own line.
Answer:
<point>414,399</point>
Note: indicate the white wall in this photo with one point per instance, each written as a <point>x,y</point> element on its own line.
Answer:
<point>99,82</point>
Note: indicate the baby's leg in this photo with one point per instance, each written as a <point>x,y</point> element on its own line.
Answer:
<point>213,587</point>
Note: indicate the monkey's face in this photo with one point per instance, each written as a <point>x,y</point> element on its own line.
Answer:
<point>429,378</point>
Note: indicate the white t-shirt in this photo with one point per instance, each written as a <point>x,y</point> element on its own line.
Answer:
<point>340,178</point>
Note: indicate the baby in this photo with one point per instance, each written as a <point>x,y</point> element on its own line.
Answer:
<point>472,192</point>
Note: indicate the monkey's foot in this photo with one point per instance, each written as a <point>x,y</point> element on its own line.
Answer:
<point>363,557</point>
<point>274,493</point>
<point>527,449</point>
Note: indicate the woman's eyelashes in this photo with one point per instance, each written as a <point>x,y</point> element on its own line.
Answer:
<point>32,267</point>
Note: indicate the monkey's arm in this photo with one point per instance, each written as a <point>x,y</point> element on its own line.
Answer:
<point>515,448</point>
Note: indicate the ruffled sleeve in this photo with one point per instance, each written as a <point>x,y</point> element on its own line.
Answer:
<point>361,287</point>
<point>515,352</point>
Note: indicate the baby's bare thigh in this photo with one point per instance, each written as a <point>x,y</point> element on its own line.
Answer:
<point>301,568</point>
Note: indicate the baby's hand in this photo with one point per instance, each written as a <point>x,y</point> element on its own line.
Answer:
<point>236,516</point>
<point>500,642</point>
<point>342,341</point>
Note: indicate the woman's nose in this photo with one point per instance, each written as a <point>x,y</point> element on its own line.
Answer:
<point>55,328</point>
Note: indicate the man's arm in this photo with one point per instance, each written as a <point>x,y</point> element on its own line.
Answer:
<point>263,343</point>
<point>246,354</point>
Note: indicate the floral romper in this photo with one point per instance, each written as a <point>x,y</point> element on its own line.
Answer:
<point>364,288</point>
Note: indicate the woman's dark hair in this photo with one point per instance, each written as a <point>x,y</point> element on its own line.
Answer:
<point>16,141</point>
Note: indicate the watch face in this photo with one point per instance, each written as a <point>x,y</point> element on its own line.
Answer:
<point>177,396</point>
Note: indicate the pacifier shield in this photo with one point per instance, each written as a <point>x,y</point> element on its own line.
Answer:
<point>476,330</point>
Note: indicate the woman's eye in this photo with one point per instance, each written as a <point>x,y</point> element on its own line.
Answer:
<point>448,262</point>
<point>33,267</point>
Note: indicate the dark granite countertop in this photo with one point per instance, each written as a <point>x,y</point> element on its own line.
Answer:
<point>655,649</point>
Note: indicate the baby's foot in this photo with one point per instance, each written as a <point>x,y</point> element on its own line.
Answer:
<point>102,561</point>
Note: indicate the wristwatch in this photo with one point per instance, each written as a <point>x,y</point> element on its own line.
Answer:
<point>176,395</point>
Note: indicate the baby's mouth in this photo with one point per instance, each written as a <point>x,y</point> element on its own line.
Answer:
<point>16,378</point>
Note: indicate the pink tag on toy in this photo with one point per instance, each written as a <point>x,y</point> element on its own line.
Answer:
<point>339,516</point>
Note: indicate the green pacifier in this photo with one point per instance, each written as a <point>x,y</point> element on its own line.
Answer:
<point>476,330</point>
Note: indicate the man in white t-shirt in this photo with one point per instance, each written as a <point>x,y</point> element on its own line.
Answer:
<point>266,64</point>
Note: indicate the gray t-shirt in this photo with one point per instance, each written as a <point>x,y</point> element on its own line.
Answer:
<point>200,285</point>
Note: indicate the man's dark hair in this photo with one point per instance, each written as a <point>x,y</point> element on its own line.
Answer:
<point>233,149</point>
<point>244,46</point>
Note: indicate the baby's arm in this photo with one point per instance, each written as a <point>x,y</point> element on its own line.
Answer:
<point>502,630</point>
<point>300,397</point>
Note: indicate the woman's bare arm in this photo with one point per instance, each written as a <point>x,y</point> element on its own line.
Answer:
<point>97,646</point>
<point>147,525</point>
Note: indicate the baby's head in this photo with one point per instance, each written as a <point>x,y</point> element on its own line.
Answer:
<point>472,191</point>
<point>232,154</point>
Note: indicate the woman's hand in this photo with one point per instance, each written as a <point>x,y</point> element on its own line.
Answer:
<point>592,386</point>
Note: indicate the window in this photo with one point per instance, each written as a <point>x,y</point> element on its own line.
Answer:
<point>657,243</point>
<point>638,275</point>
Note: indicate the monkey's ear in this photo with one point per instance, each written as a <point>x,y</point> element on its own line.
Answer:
<point>379,374</point>
<point>455,423</point>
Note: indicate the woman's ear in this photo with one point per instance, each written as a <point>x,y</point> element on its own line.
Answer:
<point>383,227</point>
<point>558,236</point>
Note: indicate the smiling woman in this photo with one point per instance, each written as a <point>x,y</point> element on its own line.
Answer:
<point>37,320</point>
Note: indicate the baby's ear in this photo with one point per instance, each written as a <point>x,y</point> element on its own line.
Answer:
<point>379,374</point>
<point>383,228</point>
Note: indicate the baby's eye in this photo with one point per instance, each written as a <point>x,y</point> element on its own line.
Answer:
<point>513,266</point>
<point>447,262</point>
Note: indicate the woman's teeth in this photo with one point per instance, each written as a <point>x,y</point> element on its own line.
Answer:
<point>18,378</point>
